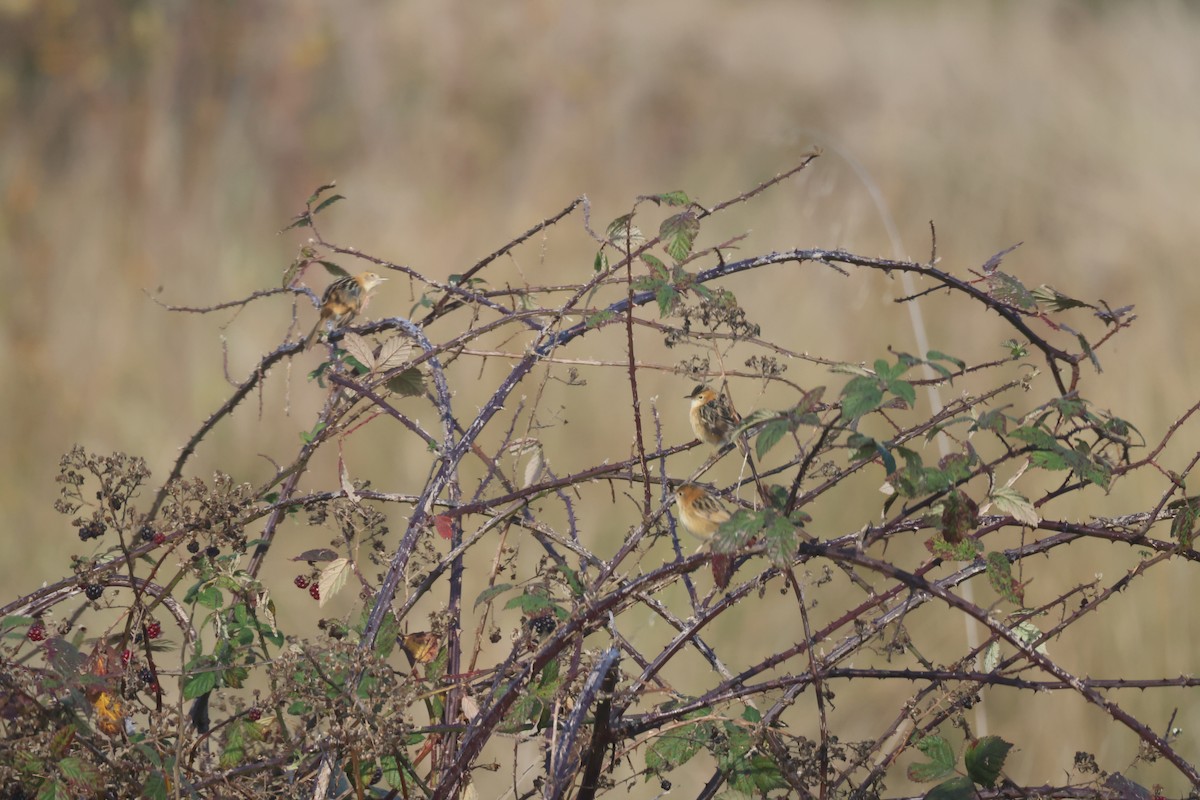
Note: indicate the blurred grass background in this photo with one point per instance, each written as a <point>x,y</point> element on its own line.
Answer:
<point>155,148</point>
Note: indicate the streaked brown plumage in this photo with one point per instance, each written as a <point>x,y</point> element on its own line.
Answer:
<point>343,300</point>
<point>700,513</point>
<point>713,418</point>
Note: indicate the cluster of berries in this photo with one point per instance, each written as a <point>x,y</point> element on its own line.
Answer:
<point>302,582</point>
<point>92,530</point>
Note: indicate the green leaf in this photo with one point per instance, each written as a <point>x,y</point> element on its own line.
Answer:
<point>1089,352</point>
<point>1008,500</point>
<point>658,269</point>
<point>676,748</point>
<point>155,787</point>
<point>333,269</point>
<point>670,199</point>
<point>210,597</point>
<point>1007,289</point>
<point>600,262</point>
<point>599,318</point>
<point>665,296</point>
<point>860,396</point>
<point>298,221</point>
<point>531,604</point>
<point>958,788</point>
<point>76,770</point>
<point>409,383</point>
<point>937,355</point>
<point>903,390</point>
<point>320,190</point>
<point>994,421</point>
<point>769,436</point>
<point>308,437</point>
<point>940,764</point>
<point>678,233</point>
<point>985,758</point>
<point>200,683</point>
<point>999,572</point>
<point>492,592</point>
<point>326,203</point>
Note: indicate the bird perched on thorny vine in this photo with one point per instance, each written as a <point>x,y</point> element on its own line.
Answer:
<point>713,418</point>
<point>700,512</point>
<point>343,299</point>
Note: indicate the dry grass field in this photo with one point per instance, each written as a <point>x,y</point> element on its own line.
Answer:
<point>153,150</point>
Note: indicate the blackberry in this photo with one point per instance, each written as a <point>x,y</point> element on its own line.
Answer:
<point>254,714</point>
<point>36,632</point>
<point>154,630</point>
<point>301,582</point>
<point>93,591</point>
<point>193,547</point>
<point>146,675</point>
<point>213,551</point>
<point>315,591</point>
<point>159,537</point>
<point>146,532</point>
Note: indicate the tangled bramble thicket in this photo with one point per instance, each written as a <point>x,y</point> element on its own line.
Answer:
<point>499,607</point>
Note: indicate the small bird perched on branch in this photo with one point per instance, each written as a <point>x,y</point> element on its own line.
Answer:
<point>343,300</point>
<point>713,418</point>
<point>700,512</point>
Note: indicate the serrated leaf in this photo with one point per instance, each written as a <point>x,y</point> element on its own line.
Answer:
<point>941,760</point>
<point>769,436</point>
<point>333,578</point>
<point>393,353</point>
<point>665,296</point>
<point>1007,289</point>
<point>200,683</point>
<point>600,262</point>
<point>491,593</point>
<point>904,390</point>
<point>958,788</point>
<point>360,349</point>
<point>1029,633</point>
<point>676,748</point>
<point>678,233</point>
<point>77,770</point>
<point>1089,352</point>
<point>991,657</point>
<point>409,383</point>
<point>860,396</point>
<point>1009,501</point>
<point>999,572</point>
<point>985,758</point>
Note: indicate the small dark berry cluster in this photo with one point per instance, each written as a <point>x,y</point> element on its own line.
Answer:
<point>193,547</point>
<point>93,591</point>
<point>159,537</point>
<point>92,530</point>
<point>146,675</point>
<point>36,632</point>
<point>301,582</point>
<point>126,656</point>
<point>543,625</point>
<point>255,714</point>
<point>212,551</point>
<point>315,591</point>
<point>146,532</point>
<point>153,630</point>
